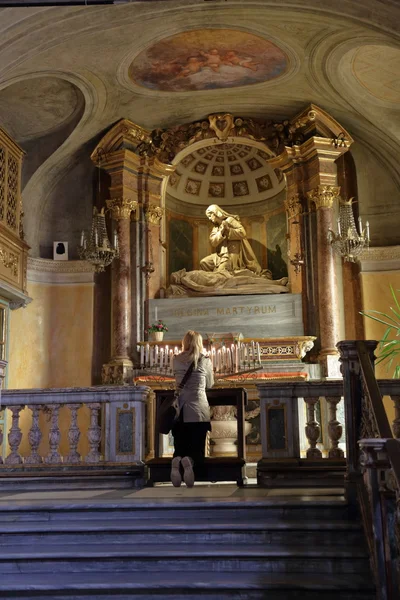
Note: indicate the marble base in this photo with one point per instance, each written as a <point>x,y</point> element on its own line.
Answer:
<point>255,316</point>
<point>117,372</point>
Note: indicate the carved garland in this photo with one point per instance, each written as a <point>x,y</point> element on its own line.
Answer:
<point>10,261</point>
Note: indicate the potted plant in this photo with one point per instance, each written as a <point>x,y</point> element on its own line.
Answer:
<point>389,345</point>
<point>156,331</point>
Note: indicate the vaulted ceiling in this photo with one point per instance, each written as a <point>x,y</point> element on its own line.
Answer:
<point>67,74</point>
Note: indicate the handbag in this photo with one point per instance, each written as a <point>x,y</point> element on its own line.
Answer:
<point>169,411</point>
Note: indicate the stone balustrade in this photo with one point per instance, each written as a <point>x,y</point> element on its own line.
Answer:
<point>114,426</point>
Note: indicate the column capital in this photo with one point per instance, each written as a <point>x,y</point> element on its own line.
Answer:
<point>324,196</point>
<point>121,207</point>
<point>153,214</point>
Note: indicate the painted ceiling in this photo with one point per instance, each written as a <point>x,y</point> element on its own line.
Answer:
<point>233,174</point>
<point>67,74</point>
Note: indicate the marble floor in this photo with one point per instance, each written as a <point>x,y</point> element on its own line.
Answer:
<point>166,492</point>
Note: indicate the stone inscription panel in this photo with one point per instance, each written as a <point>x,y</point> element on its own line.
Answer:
<point>260,316</point>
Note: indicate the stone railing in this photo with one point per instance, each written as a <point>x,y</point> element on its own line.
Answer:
<point>293,411</point>
<point>108,422</point>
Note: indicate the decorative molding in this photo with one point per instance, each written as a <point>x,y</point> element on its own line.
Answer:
<point>324,196</point>
<point>43,270</point>
<point>380,258</point>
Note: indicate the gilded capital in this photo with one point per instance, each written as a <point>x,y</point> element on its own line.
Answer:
<point>121,208</point>
<point>153,214</point>
<point>293,206</point>
<point>324,196</point>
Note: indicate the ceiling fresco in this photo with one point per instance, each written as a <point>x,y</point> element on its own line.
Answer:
<point>208,59</point>
<point>232,173</point>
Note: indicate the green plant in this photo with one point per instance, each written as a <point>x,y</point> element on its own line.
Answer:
<point>159,326</point>
<point>389,345</point>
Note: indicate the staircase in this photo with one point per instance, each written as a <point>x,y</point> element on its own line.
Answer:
<point>236,548</point>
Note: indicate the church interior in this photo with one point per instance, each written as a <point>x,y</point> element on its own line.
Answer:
<point>225,167</point>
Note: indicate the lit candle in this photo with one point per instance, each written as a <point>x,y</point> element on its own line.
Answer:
<point>141,356</point>
<point>338,227</point>
<point>213,359</point>
<point>237,358</point>
<point>161,357</point>
<point>367,226</point>
<point>360,225</point>
<point>82,237</point>
<point>151,355</point>
<point>171,356</point>
<point>156,355</point>
<point>147,354</point>
<point>258,353</point>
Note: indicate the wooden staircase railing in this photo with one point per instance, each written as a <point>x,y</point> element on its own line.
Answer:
<point>373,460</point>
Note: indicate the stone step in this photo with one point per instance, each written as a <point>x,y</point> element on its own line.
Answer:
<point>195,585</point>
<point>78,482</point>
<point>181,557</point>
<point>155,531</point>
<point>326,509</point>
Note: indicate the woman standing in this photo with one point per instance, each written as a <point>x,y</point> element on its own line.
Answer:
<point>191,430</point>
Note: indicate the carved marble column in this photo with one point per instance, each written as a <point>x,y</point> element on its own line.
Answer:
<point>120,368</point>
<point>324,197</point>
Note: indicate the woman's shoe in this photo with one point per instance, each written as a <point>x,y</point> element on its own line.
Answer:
<point>176,477</point>
<point>188,474</point>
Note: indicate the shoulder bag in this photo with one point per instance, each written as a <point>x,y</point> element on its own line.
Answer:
<point>169,411</point>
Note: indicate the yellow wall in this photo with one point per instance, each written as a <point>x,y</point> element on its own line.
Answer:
<point>50,346</point>
<point>376,295</point>
<point>51,340</point>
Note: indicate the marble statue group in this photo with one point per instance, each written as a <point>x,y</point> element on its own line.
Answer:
<point>232,268</point>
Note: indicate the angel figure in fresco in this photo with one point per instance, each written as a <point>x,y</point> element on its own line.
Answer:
<point>213,59</point>
<point>194,64</point>
<point>232,58</point>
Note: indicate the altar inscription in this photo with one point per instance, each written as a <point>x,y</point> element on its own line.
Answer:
<point>280,316</point>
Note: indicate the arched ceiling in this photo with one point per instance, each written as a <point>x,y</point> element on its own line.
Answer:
<point>260,59</point>
<point>229,173</point>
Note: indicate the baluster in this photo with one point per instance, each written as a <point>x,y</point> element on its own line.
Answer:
<point>335,429</point>
<point>54,437</point>
<point>14,438</point>
<point>94,434</point>
<point>312,429</point>
<point>34,437</point>
<point>73,435</point>
<point>396,422</point>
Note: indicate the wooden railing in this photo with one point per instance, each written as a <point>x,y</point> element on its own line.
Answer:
<point>101,427</point>
<point>373,460</point>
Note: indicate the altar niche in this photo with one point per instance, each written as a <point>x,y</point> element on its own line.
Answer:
<point>225,226</point>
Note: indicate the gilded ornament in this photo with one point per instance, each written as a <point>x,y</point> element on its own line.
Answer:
<point>324,196</point>
<point>9,260</point>
<point>121,208</point>
<point>293,206</point>
<point>153,214</point>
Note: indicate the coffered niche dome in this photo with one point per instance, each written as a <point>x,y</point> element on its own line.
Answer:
<point>229,173</point>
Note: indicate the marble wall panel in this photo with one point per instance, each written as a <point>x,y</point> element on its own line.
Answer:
<point>180,245</point>
<point>264,315</point>
<point>277,245</point>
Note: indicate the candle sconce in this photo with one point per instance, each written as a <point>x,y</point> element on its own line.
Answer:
<point>298,260</point>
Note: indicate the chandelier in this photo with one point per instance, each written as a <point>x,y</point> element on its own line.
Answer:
<point>95,247</point>
<point>348,242</point>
